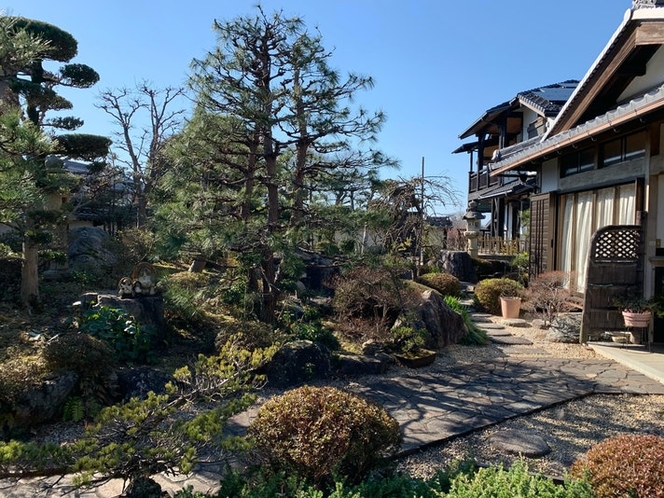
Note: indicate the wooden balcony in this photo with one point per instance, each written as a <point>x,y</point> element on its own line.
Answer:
<point>480,181</point>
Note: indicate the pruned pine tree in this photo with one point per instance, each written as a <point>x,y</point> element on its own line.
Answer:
<point>290,127</point>
<point>27,84</point>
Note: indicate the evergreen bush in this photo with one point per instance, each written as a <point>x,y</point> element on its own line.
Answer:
<point>316,433</point>
<point>488,292</point>
<point>445,283</point>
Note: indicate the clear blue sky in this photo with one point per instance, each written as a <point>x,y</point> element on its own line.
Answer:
<point>437,64</point>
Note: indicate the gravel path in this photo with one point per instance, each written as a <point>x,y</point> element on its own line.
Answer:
<point>569,429</point>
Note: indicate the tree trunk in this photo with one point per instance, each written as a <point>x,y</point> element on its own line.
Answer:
<point>269,301</point>
<point>197,265</point>
<point>29,273</point>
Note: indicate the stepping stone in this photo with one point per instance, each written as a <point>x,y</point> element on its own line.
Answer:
<point>527,443</point>
<point>514,322</point>
<point>480,319</point>
<point>510,340</point>
<point>497,333</point>
<point>491,326</point>
<point>523,350</point>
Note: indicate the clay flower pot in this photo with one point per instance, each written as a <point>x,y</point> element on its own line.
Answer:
<point>510,306</point>
<point>634,319</point>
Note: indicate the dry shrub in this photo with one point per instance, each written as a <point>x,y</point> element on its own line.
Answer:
<point>488,292</point>
<point>317,433</point>
<point>628,465</point>
<point>370,300</point>
<point>549,294</point>
<point>445,283</point>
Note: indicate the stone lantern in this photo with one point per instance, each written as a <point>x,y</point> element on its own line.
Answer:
<point>473,218</point>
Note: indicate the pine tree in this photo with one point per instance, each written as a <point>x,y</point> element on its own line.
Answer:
<point>26,83</point>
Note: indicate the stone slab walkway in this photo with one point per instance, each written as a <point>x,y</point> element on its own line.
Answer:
<point>433,407</point>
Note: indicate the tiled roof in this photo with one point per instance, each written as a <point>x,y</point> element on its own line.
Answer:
<point>627,111</point>
<point>548,100</point>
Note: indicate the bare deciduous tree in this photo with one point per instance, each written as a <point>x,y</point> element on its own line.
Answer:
<point>141,139</point>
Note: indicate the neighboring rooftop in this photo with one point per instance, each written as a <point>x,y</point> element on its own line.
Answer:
<point>547,100</point>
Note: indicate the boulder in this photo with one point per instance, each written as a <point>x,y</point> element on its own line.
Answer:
<point>42,403</point>
<point>444,325</point>
<point>565,328</point>
<point>527,443</point>
<point>147,310</point>
<point>138,382</point>
<point>89,251</point>
<point>364,365</point>
<point>459,264</point>
<point>298,362</point>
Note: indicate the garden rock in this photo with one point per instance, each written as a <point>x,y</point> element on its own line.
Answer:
<point>459,264</point>
<point>364,365</point>
<point>298,362</point>
<point>138,382</point>
<point>526,443</point>
<point>444,325</point>
<point>43,403</point>
<point>89,251</point>
<point>565,328</point>
<point>147,310</point>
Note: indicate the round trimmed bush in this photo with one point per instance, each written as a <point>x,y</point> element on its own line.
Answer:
<point>488,292</point>
<point>629,465</point>
<point>445,283</point>
<point>316,433</point>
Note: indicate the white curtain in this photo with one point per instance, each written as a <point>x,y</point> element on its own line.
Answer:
<point>627,204</point>
<point>567,246</point>
<point>584,231</point>
<point>604,207</point>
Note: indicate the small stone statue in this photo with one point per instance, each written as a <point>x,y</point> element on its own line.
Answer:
<point>143,282</point>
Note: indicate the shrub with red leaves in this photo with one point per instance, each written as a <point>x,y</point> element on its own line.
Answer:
<point>625,466</point>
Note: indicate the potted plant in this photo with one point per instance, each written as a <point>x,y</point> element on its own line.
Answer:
<point>408,345</point>
<point>636,310</point>
<point>510,302</point>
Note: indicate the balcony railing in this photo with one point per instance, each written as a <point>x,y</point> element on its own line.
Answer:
<point>486,245</point>
<point>480,181</point>
<point>497,246</point>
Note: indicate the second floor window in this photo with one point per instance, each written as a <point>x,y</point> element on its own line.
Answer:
<point>623,149</point>
<point>577,162</point>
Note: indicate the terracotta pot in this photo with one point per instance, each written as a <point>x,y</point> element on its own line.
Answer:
<point>639,320</point>
<point>510,306</point>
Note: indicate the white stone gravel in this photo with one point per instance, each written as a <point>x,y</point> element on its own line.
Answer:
<point>570,429</point>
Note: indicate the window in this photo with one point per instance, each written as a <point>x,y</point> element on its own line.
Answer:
<point>577,162</point>
<point>623,149</point>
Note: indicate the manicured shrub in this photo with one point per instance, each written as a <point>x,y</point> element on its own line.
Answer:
<point>628,465</point>
<point>445,283</point>
<point>516,481</point>
<point>316,433</point>
<point>488,292</point>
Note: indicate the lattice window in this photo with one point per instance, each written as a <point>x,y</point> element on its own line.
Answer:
<point>617,244</point>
